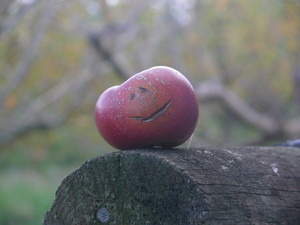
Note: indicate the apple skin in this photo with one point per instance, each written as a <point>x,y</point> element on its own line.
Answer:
<point>156,107</point>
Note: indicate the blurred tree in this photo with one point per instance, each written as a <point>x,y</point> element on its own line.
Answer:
<point>56,58</point>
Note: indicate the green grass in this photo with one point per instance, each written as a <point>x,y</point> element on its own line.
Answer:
<point>24,196</point>
<point>32,168</point>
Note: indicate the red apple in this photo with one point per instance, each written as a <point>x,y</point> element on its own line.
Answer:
<point>156,107</point>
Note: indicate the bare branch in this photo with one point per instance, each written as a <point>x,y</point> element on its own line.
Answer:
<point>36,117</point>
<point>211,90</point>
<point>104,54</point>
<point>292,127</point>
<point>36,124</point>
<point>4,6</point>
<point>96,39</point>
<point>8,19</point>
<point>29,54</point>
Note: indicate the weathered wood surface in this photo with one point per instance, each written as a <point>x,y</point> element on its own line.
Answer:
<point>240,185</point>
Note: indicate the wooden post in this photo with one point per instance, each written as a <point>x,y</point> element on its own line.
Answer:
<point>240,185</point>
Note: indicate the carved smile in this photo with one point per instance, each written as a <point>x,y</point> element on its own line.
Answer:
<point>154,115</point>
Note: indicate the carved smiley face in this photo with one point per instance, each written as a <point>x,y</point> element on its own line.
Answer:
<point>156,107</point>
<point>146,101</point>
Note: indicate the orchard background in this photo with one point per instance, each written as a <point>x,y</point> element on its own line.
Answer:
<point>58,56</point>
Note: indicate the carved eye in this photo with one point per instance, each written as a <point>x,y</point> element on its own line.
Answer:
<point>143,90</point>
<point>132,96</point>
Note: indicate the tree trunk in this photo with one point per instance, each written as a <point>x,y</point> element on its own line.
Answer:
<point>240,185</point>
